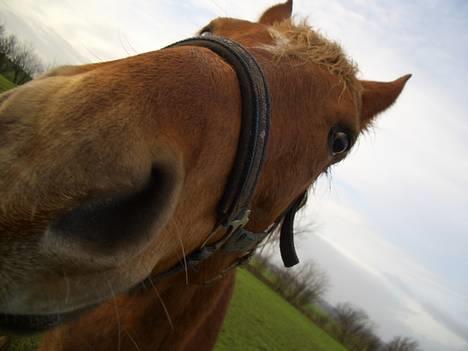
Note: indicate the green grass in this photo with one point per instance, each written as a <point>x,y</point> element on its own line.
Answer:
<point>259,319</point>
<point>5,84</point>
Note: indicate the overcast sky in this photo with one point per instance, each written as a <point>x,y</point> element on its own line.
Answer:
<point>391,225</point>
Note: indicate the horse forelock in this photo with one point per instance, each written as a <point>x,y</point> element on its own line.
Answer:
<point>299,40</point>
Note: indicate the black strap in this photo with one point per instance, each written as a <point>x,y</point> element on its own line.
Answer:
<point>287,248</point>
<point>255,127</point>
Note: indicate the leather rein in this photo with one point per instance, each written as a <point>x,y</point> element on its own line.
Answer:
<point>234,208</point>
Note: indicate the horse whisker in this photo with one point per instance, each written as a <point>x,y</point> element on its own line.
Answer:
<point>219,7</point>
<point>132,340</point>
<point>130,44</point>
<point>116,309</point>
<point>184,258</point>
<point>163,305</point>
<point>122,44</point>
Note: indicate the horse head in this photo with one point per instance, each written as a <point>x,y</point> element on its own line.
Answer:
<point>111,173</point>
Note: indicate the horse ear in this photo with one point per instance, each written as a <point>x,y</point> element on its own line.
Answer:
<point>379,96</point>
<point>277,13</point>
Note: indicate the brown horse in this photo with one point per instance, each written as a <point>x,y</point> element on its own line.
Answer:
<point>160,129</point>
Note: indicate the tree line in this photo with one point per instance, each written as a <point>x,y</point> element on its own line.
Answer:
<point>305,287</point>
<point>18,61</point>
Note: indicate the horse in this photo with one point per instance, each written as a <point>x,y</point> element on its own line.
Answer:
<point>111,174</point>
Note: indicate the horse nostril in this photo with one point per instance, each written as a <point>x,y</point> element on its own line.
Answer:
<point>117,224</point>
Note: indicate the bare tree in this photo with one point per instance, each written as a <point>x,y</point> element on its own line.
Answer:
<point>350,322</point>
<point>19,60</point>
<point>400,343</point>
<point>8,45</point>
<point>365,340</point>
<point>302,284</point>
<point>26,64</point>
<point>310,285</point>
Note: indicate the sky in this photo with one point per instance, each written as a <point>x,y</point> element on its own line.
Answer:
<point>390,226</point>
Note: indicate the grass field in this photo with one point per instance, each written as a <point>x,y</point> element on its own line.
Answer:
<point>259,319</point>
<point>5,84</point>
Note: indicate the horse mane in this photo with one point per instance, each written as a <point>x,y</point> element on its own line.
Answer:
<point>301,41</point>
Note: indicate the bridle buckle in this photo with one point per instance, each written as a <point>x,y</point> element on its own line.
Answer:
<point>240,222</point>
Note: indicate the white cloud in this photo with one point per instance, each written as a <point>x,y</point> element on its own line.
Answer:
<point>427,328</point>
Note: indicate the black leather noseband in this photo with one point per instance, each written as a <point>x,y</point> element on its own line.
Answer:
<point>234,209</point>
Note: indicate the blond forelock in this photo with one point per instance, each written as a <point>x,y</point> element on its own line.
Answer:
<point>300,40</point>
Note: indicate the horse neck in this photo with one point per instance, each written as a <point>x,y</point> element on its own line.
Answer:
<point>168,316</point>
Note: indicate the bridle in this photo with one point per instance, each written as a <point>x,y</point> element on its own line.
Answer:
<point>234,208</point>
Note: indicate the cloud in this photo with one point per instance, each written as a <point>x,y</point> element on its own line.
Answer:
<point>47,43</point>
<point>429,331</point>
<point>460,329</point>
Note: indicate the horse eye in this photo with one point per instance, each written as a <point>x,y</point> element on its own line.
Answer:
<point>206,31</point>
<point>339,142</point>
